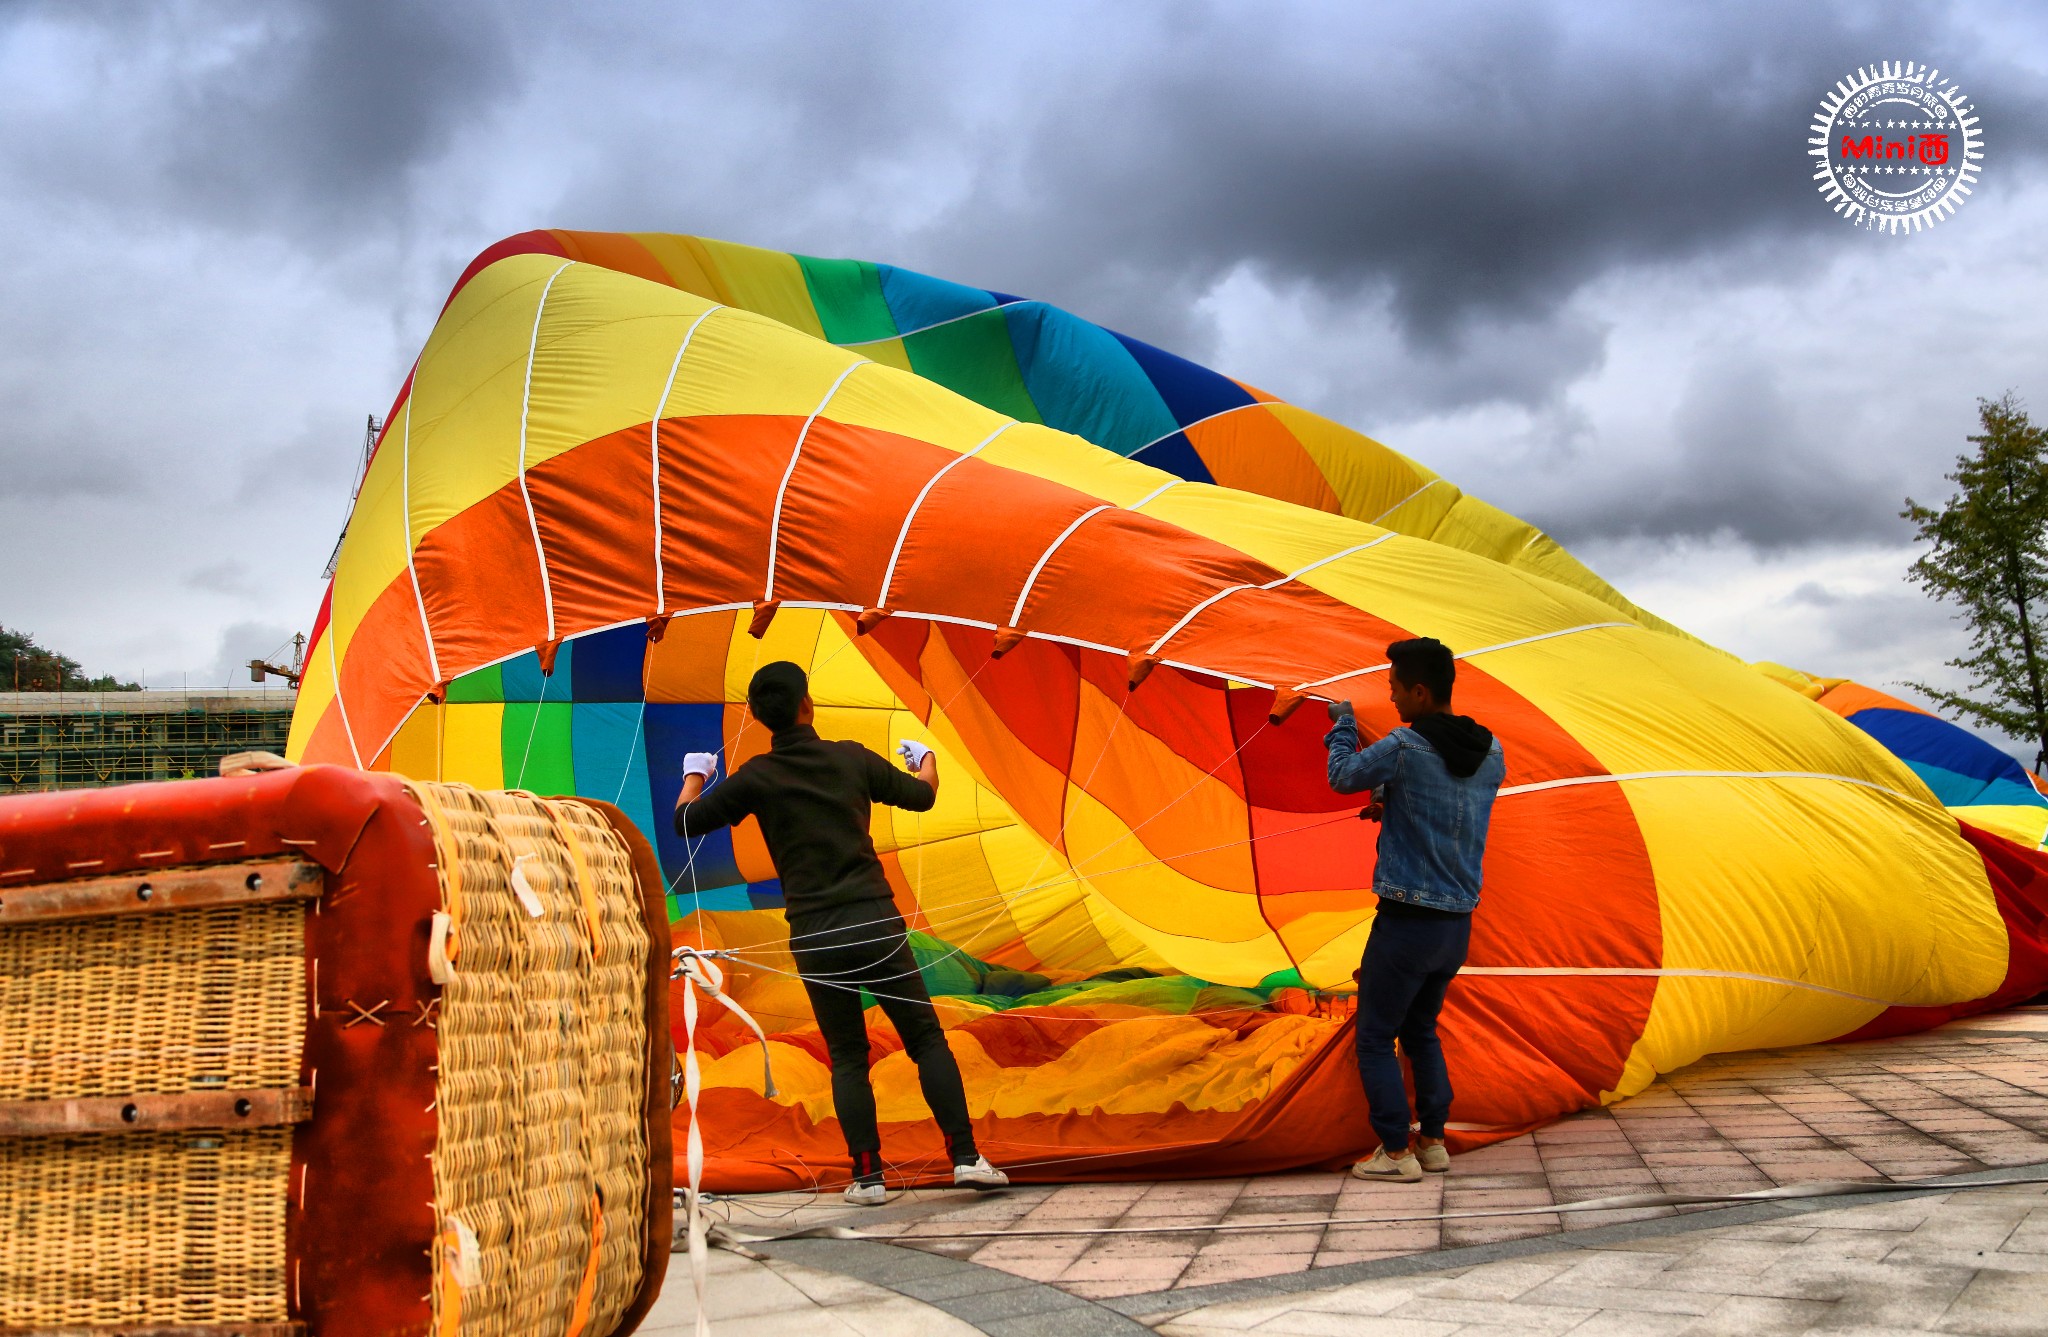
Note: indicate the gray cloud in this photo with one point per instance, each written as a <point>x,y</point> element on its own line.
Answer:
<point>1568,255</point>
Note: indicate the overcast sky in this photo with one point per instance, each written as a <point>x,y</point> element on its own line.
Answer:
<point>1568,255</point>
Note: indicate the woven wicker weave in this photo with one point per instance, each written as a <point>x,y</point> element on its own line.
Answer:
<point>167,1227</point>
<point>542,1082</point>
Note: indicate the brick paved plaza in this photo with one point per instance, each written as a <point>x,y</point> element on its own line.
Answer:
<point>1967,1101</point>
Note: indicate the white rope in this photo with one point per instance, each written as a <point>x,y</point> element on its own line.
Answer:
<point>1404,501</point>
<point>938,324</point>
<point>1018,612</point>
<point>334,671</point>
<point>1571,781</point>
<point>698,971</point>
<point>412,400</point>
<point>1156,492</point>
<point>1220,595</point>
<point>1234,408</point>
<point>889,574</point>
<point>1646,972</point>
<point>775,523</point>
<point>525,407</point>
<point>654,454</point>
<point>1482,650</point>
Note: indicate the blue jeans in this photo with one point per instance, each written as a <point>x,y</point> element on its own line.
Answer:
<point>1408,965</point>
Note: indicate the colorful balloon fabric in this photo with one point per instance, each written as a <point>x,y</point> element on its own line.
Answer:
<point>1102,582</point>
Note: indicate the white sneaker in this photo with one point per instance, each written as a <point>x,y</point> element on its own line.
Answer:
<point>1402,1169</point>
<point>1434,1157</point>
<point>979,1175</point>
<point>866,1194</point>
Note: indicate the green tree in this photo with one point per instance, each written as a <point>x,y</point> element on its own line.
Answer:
<point>1989,557</point>
<point>28,667</point>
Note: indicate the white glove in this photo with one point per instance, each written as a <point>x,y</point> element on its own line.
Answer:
<point>701,763</point>
<point>912,752</point>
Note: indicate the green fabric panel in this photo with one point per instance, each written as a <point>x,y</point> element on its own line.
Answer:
<point>973,357</point>
<point>486,684</point>
<point>848,295</point>
<point>1289,978</point>
<point>547,764</point>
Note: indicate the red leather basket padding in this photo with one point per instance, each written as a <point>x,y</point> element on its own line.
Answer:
<point>361,1219</point>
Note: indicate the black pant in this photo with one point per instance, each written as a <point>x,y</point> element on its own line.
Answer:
<point>1410,960</point>
<point>836,963</point>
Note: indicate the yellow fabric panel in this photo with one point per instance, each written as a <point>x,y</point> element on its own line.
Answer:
<point>887,353</point>
<point>1639,702</point>
<point>960,900</point>
<point>472,751</point>
<point>1049,906</point>
<point>893,400</point>
<point>416,750</point>
<point>842,675</point>
<point>793,635</point>
<point>1151,899</point>
<point>1330,965</point>
<point>689,265</point>
<point>1142,1065</point>
<point>1366,476</point>
<point>1070,461</point>
<point>2027,826</point>
<point>373,551</point>
<point>739,362</point>
<point>770,282</point>
<point>1832,885</point>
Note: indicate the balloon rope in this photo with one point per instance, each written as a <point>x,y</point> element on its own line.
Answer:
<point>533,729</point>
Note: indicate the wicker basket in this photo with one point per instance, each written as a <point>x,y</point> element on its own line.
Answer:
<point>318,1051</point>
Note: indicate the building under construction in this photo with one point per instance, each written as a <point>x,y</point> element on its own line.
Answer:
<point>83,740</point>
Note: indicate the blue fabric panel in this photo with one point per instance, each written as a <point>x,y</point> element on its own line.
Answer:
<point>611,759</point>
<point>523,680</point>
<point>765,895</point>
<point>712,900</point>
<point>1192,392</point>
<point>1961,768</point>
<point>607,664</point>
<point>670,732</point>
<point>1084,381</point>
<point>918,300</point>
<point>1175,455</point>
<point>1004,298</point>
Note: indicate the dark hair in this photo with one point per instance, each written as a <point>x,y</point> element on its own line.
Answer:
<point>1425,662</point>
<point>775,693</point>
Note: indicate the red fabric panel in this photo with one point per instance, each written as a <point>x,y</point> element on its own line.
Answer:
<point>537,242</point>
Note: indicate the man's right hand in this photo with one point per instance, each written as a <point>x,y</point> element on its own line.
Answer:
<point>1339,710</point>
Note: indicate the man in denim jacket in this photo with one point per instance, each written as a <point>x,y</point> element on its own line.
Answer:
<point>1433,785</point>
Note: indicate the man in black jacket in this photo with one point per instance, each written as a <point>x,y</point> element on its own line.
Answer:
<point>812,798</point>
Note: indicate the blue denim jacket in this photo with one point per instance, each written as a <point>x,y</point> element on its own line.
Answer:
<point>1433,834</point>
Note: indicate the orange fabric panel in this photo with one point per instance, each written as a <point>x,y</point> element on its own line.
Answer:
<point>595,510</point>
<point>849,483</point>
<point>1849,697</point>
<point>614,251</point>
<point>688,662</point>
<point>1251,450</point>
<point>382,689</point>
<point>718,481</point>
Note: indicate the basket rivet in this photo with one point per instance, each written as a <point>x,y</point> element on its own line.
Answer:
<point>129,1114</point>
<point>144,892</point>
<point>255,881</point>
<point>242,1107</point>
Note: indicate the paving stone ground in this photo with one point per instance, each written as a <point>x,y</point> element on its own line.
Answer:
<point>1969,1097</point>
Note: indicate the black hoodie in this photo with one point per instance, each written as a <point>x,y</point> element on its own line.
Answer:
<point>1458,739</point>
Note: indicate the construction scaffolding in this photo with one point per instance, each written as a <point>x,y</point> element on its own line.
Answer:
<point>85,740</point>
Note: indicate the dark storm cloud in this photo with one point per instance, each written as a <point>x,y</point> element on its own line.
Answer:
<point>293,115</point>
<point>1467,163</point>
